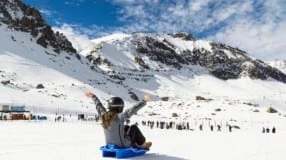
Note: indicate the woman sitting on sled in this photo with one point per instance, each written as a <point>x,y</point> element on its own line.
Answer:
<point>113,123</point>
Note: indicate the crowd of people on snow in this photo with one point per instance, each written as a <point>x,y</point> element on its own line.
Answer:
<point>185,125</point>
<point>182,125</point>
<point>268,130</point>
<point>200,127</point>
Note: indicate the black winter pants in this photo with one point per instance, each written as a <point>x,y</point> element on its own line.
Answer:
<point>135,134</point>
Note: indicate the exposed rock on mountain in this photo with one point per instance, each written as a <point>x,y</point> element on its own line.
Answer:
<point>182,49</point>
<point>184,36</point>
<point>21,17</point>
<point>161,51</point>
<point>221,60</point>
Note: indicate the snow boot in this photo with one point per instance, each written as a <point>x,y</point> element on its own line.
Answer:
<point>146,145</point>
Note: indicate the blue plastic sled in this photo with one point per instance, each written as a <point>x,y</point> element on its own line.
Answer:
<point>111,150</point>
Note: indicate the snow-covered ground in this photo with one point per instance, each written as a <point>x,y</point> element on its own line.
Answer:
<point>80,140</point>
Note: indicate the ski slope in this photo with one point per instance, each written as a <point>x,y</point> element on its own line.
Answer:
<point>79,140</point>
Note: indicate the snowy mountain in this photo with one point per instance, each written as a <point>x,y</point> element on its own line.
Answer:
<point>183,75</point>
<point>36,62</point>
<point>19,17</point>
<point>182,49</point>
<point>279,64</point>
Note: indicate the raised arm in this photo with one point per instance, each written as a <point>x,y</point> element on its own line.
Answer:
<point>131,111</point>
<point>99,107</point>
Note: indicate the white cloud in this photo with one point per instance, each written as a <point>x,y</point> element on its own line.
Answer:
<point>261,35</point>
<point>79,41</point>
<point>81,37</point>
<point>253,25</point>
<point>197,5</point>
<point>74,2</point>
<point>262,41</point>
<point>46,12</point>
<point>124,1</point>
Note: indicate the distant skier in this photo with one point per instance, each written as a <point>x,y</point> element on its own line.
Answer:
<point>212,127</point>
<point>201,127</point>
<point>263,130</point>
<point>267,130</point>
<point>229,128</point>
<point>218,128</point>
<point>113,122</point>
<point>273,130</point>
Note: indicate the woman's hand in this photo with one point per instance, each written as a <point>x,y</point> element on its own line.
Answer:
<point>89,94</point>
<point>147,97</point>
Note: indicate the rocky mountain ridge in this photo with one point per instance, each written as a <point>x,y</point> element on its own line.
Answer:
<point>182,49</point>
<point>20,17</point>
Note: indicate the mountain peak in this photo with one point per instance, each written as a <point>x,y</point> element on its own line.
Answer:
<point>18,16</point>
<point>184,36</point>
<point>112,37</point>
<point>181,50</point>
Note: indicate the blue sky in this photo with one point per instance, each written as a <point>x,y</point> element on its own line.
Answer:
<point>81,12</point>
<point>256,26</point>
